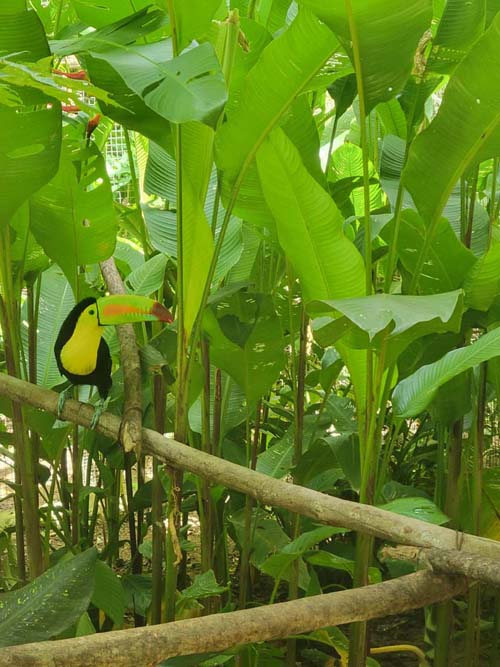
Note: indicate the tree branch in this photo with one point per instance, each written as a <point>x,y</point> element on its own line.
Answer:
<point>148,646</point>
<point>269,491</point>
<point>448,561</point>
<point>131,429</point>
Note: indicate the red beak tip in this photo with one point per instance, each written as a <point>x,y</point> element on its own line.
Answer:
<point>162,313</point>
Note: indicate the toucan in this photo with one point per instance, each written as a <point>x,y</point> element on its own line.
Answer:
<point>81,352</point>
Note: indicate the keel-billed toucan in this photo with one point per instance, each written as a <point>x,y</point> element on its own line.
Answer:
<point>81,352</point>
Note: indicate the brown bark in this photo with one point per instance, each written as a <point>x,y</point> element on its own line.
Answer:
<point>269,491</point>
<point>130,433</point>
<point>145,647</point>
<point>448,561</point>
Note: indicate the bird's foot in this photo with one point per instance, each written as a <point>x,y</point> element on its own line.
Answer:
<point>100,407</point>
<point>62,400</point>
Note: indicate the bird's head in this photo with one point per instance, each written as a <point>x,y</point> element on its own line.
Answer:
<point>120,309</point>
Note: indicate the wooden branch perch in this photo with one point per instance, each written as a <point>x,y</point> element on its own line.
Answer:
<point>145,647</point>
<point>131,429</point>
<point>448,561</point>
<point>269,491</point>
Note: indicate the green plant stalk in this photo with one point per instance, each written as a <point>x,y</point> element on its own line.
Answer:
<point>364,544</point>
<point>298,371</point>
<point>24,452</point>
<point>137,195</point>
<point>444,611</point>
<point>77,485</point>
<point>157,508</point>
<point>493,196</point>
<point>473,624</point>
<point>247,530</point>
<point>472,204</point>
<point>330,145</point>
<point>130,511</point>
<point>204,495</point>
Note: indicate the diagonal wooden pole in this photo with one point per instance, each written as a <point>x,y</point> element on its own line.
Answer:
<point>146,647</point>
<point>269,491</point>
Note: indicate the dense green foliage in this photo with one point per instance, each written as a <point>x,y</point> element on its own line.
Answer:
<point>312,188</point>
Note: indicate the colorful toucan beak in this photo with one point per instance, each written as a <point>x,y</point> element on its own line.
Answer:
<point>120,309</point>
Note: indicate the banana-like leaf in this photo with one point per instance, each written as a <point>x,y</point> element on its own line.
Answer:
<point>30,133</point>
<point>386,34</point>
<point>50,604</point>
<point>310,227</point>
<point>193,19</point>
<point>459,27</point>
<point>413,394</point>
<point>465,131</point>
<point>395,319</point>
<point>482,284</point>
<point>247,342</point>
<point>310,231</point>
<point>56,300</point>
<point>279,76</point>
<point>99,13</point>
<point>73,217</point>
<point>123,31</point>
<point>347,163</point>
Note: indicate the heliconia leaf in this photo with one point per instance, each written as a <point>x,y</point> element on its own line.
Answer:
<point>466,129</point>
<point>386,34</point>
<point>50,604</point>
<point>482,284</point>
<point>30,130</point>
<point>72,217</point>
<point>413,394</point>
<point>310,227</point>
<point>281,73</point>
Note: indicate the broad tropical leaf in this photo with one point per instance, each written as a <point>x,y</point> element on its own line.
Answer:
<point>49,604</point>
<point>386,34</point>
<point>281,73</point>
<point>465,130</point>
<point>399,320</point>
<point>73,217</point>
<point>413,394</point>
<point>30,132</point>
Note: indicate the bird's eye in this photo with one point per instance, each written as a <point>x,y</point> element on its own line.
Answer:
<point>92,312</point>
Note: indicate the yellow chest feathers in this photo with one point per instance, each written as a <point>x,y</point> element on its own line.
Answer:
<point>79,354</point>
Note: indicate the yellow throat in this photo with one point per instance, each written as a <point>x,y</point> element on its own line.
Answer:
<point>79,354</point>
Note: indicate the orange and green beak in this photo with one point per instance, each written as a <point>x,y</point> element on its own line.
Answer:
<point>120,309</point>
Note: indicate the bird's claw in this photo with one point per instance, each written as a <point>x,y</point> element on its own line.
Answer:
<point>62,400</point>
<point>100,407</point>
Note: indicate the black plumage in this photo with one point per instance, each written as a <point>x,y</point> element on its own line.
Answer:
<point>100,377</point>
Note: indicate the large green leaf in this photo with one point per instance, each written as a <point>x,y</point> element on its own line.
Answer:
<point>30,135</point>
<point>50,604</point>
<point>347,163</point>
<point>482,284</point>
<point>56,300</point>
<point>310,231</point>
<point>247,342</point>
<point>448,260</point>
<point>73,217</point>
<point>99,13</point>
<point>385,33</point>
<point>123,31</point>
<point>310,227</point>
<point>399,320</point>
<point>465,130</point>
<point>189,87</point>
<point>416,508</point>
<point>281,73</point>
<point>413,394</point>
<point>109,594</point>
<point>193,19</point>
<point>460,25</point>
